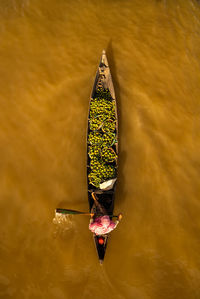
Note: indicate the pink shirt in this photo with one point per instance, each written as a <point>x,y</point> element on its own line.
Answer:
<point>102,225</point>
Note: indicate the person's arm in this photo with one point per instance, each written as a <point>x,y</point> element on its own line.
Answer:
<point>101,208</point>
<point>92,226</point>
<point>114,224</point>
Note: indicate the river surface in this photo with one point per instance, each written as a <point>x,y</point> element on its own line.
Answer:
<point>49,52</point>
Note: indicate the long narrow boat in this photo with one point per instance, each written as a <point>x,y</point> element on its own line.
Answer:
<point>102,149</point>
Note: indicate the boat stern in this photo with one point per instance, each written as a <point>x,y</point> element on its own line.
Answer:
<point>101,244</point>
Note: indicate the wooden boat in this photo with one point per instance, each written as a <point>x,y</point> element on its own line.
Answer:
<point>103,187</point>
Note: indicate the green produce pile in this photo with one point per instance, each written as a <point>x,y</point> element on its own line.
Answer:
<point>102,138</point>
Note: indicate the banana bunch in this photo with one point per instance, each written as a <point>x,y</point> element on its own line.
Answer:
<point>104,122</point>
<point>101,172</point>
<point>96,165</point>
<point>108,155</point>
<point>101,106</point>
<point>108,125</point>
<point>108,139</point>
<point>95,138</point>
<point>97,122</point>
<point>94,151</point>
<point>101,138</point>
<point>94,179</point>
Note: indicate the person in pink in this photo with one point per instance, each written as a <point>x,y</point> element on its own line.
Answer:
<point>103,225</point>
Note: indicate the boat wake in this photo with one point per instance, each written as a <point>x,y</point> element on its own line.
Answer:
<point>109,283</point>
<point>63,223</point>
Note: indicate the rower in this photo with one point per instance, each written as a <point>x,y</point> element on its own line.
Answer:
<point>103,224</point>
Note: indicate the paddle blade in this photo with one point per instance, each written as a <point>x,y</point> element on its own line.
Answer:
<point>67,211</point>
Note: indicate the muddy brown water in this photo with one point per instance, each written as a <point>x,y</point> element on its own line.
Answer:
<point>49,52</point>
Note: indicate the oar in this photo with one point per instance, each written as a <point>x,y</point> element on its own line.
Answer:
<point>74,212</point>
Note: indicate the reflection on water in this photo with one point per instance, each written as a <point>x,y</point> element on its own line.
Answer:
<point>49,54</point>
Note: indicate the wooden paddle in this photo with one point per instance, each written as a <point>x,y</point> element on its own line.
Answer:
<point>74,212</point>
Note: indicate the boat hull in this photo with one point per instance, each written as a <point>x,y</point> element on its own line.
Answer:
<point>105,196</point>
